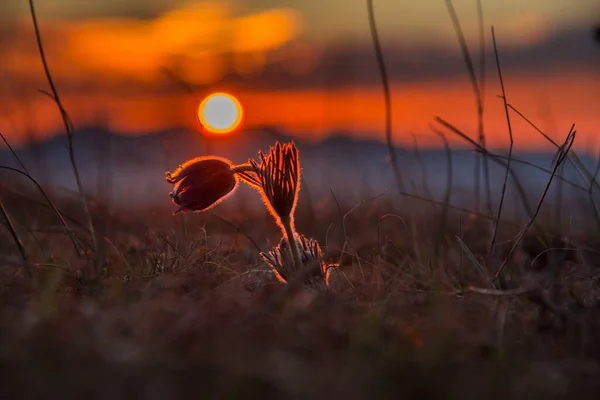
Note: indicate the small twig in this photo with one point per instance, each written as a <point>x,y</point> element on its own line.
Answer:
<point>477,90</point>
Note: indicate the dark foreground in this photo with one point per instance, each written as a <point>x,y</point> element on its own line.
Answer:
<point>182,307</point>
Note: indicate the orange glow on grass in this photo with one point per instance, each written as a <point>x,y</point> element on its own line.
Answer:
<point>220,113</point>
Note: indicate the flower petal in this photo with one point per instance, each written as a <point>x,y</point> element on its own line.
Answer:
<point>198,165</point>
<point>200,194</point>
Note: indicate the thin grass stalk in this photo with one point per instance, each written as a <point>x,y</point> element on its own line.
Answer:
<point>41,203</point>
<point>510,149</point>
<point>573,157</point>
<point>12,151</point>
<point>591,194</point>
<point>559,200</point>
<point>542,169</point>
<point>68,128</point>
<point>500,161</point>
<point>49,203</point>
<point>58,214</point>
<point>589,178</point>
<point>480,111</point>
<point>495,158</point>
<point>423,168</point>
<point>595,175</point>
<point>386,95</point>
<point>476,88</point>
<point>447,195</point>
<point>562,154</point>
<point>15,236</point>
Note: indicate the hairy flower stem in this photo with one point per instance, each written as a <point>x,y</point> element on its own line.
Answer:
<point>286,222</point>
<point>243,168</point>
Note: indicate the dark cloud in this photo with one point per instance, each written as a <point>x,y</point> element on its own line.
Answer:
<point>351,64</point>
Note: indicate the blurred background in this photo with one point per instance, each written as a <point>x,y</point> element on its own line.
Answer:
<point>306,68</point>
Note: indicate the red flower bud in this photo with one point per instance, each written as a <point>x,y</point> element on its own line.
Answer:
<point>201,183</point>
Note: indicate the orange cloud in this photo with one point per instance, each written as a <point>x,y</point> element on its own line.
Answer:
<point>194,39</point>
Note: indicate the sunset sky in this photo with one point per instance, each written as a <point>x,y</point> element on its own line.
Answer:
<point>307,66</point>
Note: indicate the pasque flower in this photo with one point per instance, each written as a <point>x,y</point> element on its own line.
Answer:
<point>314,269</point>
<point>277,177</point>
<point>201,183</point>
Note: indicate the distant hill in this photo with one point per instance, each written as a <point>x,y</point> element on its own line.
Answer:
<point>132,168</point>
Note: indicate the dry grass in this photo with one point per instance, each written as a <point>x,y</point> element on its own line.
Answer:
<point>140,304</point>
<point>184,307</point>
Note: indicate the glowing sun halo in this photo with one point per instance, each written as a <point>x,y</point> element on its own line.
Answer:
<point>220,113</point>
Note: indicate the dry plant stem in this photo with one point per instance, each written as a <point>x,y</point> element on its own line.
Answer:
<point>423,168</point>
<point>542,169</point>
<point>68,128</point>
<point>495,158</point>
<point>40,203</point>
<point>510,149</point>
<point>58,214</point>
<point>448,193</point>
<point>589,178</point>
<point>243,168</point>
<point>11,228</point>
<point>573,158</point>
<point>4,214</point>
<point>386,94</point>
<point>477,89</point>
<point>12,151</point>
<point>288,230</point>
<point>562,153</point>
<point>481,107</point>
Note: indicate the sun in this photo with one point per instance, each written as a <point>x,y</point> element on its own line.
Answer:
<point>220,113</point>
